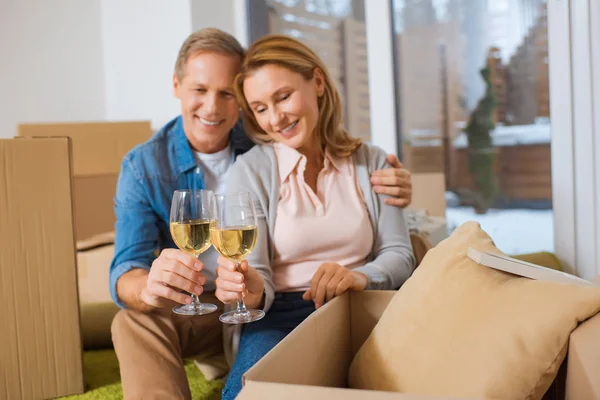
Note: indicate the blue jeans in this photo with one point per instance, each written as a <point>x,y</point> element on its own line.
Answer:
<point>258,338</point>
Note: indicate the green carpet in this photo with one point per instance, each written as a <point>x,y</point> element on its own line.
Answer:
<point>102,381</point>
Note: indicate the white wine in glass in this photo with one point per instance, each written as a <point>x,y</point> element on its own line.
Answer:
<point>234,233</point>
<point>190,229</point>
<point>235,242</point>
<point>192,236</point>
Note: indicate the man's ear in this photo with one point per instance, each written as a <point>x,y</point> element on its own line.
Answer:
<point>176,86</point>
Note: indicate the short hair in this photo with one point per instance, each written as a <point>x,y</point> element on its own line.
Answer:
<point>207,40</point>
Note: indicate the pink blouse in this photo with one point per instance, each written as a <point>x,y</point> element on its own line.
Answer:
<point>311,228</point>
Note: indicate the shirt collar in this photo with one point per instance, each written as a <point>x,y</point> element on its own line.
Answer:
<point>288,159</point>
<point>338,163</point>
<point>184,155</point>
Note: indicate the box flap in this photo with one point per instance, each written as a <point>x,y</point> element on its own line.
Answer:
<point>583,362</point>
<point>522,268</point>
<point>277,391</point>
<point>98,147</point>
<point>326,333</point>
<point>366,309</point>
<point>40,344</point>
<point>96,241</point>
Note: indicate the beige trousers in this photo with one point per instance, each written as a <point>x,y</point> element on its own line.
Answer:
<point>151,348</point>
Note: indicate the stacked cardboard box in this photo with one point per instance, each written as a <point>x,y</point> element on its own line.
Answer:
<point>57,185</point>
<point>40,344</point>
<point>98,149</point>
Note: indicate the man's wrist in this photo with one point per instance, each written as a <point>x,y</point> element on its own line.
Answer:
<point>130,289</point>
<point>142,304</point>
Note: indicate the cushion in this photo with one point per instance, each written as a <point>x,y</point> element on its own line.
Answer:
<point>543,258</point>
<point>96,306</point>
<point>457,328</point>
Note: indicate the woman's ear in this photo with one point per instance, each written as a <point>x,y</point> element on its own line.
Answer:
<point>319,81</point>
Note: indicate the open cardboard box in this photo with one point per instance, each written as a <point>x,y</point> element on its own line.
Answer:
<point>314,359</point>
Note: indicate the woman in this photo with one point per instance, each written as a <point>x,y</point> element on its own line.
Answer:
<point>322,229</point>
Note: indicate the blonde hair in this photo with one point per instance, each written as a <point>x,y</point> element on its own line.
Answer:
<point>207,40</point>
<point>289,53</point>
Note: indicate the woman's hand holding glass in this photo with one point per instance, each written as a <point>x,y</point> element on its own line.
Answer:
<point>232,283</point>
<point>234,233</point>
<point>332,280</point>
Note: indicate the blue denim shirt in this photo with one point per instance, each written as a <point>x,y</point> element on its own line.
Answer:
<point>149,175</point>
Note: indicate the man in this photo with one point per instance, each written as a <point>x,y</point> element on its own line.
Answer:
<point>194,150</point>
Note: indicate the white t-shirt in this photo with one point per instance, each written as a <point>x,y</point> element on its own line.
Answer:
<point>214,167</point>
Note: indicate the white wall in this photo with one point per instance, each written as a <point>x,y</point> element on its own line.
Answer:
<point>213,13</point>
<point>141,39</point>
<point>95,60</point>
<point>230,16</point>
<point>51,68</point>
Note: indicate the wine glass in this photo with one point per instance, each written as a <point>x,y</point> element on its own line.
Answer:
<point>190,229</point>
<point>233,233</point>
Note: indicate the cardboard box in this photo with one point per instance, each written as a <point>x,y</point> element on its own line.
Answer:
<point>314,359</point>
<point>94,256</point>
<point>40,343</point>
<point>98,149</point>
<point>429,193</point>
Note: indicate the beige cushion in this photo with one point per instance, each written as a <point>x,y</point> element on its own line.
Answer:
<point>96,306</point>
<point>457,328</point>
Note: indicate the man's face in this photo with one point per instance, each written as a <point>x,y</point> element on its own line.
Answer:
<point>208,104</point>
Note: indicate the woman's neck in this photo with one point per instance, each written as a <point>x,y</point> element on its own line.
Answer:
<point>314,163</point>
<point>314,158</point>
<point>314,155</point>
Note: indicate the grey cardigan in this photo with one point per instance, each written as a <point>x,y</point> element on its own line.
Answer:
<point>391,261</point>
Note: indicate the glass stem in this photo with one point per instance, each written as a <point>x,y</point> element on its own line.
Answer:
<point>241,306</point>
<point>196,301</point>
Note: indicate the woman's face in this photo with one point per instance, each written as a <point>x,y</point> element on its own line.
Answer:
<point>285,104</point>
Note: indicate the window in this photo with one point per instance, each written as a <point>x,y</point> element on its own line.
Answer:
<point>474,104</point>
<point>335,30</point>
